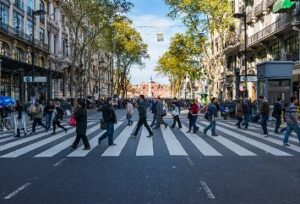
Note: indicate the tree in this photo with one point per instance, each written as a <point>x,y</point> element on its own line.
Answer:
<point>89,23</point>
<point>209,17</point>
<point>129,49</point>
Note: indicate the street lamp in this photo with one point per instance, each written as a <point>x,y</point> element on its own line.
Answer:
<point>34,14</point>
<point>244,16</point>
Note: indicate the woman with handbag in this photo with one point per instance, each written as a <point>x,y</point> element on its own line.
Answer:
<point>80,115</point>
<point>109,118</point>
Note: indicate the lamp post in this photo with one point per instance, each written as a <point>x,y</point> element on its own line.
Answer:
<point>244,17</point>
<point>34,14</point>
<point>0,76</point>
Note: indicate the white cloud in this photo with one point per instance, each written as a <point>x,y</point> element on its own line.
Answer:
<point>149,26</point>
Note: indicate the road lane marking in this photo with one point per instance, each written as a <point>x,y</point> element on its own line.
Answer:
<point>60,162</point>
<point>173,145</point>
<point>252,142</point>
<point>79,152</point>
<point>63,145</point>
<point>200,144</point>
<point>239,150</point>
<point>207,190</point>
<point>13,194</point>
<point>145,146</point>
<point>114,151</point>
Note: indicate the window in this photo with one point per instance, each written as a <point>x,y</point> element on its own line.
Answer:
<point>42,17</point>
<point>65,47</point>
<point>4,48</point>
<point>18,21</point>
<point>4,16</point>
<point>19,54</point>
<point>42,35</point>
<point>30,7</point>
<point>55,42</point>
<point>19,4</point>
<point>291,45</point>
<point>49,38</point>
<point>275,51</point>
<point>29,28</point>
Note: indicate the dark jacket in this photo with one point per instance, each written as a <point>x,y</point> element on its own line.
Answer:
<point>265,108</point>
<point>153,108</point>
<point>19,109</point>
<point>277,111</point>
<point>80,115</point>
<point>108,114</point>
<point>49,109</point>
<point>212,111</point>
<point>142,108</point>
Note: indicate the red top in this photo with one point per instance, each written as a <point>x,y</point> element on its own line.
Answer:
<point>194,109</point>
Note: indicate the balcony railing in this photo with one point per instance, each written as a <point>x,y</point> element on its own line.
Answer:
<point>270,2</point>
<point>249,17</point>
<point>269,30</point>
<point>22,36</point>
<point>259,8</point>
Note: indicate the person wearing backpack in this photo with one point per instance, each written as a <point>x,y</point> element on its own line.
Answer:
<point>57,117</point>
<point>211,116</point>
<point>291,121</point>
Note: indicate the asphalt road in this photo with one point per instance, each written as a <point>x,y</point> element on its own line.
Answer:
<point>179,168</point>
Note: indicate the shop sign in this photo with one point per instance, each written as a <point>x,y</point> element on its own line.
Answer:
<point>249,78</point>
<point>37,79</point>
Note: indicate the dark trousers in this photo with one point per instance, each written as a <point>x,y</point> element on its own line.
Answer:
<point>277,124</point>
<point>142,121</point>
<point>39,122</point>
<point>264,119</point>
<point>84,140</point>
<point>57,123</point>
<point>190,123</point>
<point>240,120</point>
<point>19,132</point>
<point>109,133</point>
<point>176,119</point>
<point>153,120</point>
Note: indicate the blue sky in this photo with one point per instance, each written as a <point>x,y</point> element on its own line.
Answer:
<point>152,13</point>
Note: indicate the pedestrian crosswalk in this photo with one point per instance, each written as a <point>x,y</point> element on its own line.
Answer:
<point>177,142</point>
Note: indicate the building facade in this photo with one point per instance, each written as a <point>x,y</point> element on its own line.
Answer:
<point>151,89</point>
<point>272,28</point>
<point>35,52</point>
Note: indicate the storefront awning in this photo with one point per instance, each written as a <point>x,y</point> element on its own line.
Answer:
<point>9,65</point>
<point>282,5</point>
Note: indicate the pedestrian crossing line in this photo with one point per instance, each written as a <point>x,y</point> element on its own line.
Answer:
<point>173,145</point>
<point>200,144</point>
<point>121,140</point>
<point>252,142</point>
<point>7,139</point>
<point>145,146</point>
<point>269,139</point>
<point>277,136</point>
<point>237,149</point>
<point>79,152</point>
<point>63,145</point>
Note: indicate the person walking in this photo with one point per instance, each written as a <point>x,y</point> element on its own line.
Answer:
<point>154,112</point>
<point>80,115</point>
<point>20,123</point>
<point>291,121</point>
<point>129,114</point>
<point>277,112</point>
<point>160,113</point>
<point>48,111</point>
<point>37,113</point>
<point>239,113</point>
<point>212,114</point>
<point>194,113</point>
<point>109,117</point>
<point>175,114</point>
<point>189,116</point>
<point>264,112</point>
<point>58,114</point>
<point>142,108</point>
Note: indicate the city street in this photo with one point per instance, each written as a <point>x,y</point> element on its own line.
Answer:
<point>172,167</point>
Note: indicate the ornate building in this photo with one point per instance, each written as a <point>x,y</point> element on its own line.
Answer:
<point>151,90</point>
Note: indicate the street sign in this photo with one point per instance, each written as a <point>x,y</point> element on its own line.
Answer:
<point>37,79</point>
<point>249,78</point>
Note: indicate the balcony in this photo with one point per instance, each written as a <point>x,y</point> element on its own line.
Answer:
<point>249,17</point>
<point>270,2</point>
<point>275,27</point>
<point>260,8</point>
<point>232,44</point>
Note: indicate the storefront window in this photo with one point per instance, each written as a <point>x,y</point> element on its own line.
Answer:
<point>275,51</point>
<point>292,49</point>
<point>4,16</point>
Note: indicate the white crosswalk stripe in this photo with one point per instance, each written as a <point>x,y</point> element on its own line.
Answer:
<point>240,142</point>
<point>145,146</point>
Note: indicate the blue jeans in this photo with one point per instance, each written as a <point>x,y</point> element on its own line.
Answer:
<point>246,120</point>
<point>289,129</point>
<point>264,119</point>
<point>109,133</point>
<point>48,120</point>
<point>129,119</point>
<point>213,126</point>
<point>194,120</point>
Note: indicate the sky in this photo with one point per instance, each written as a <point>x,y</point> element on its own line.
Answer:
<point>153,15</point>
